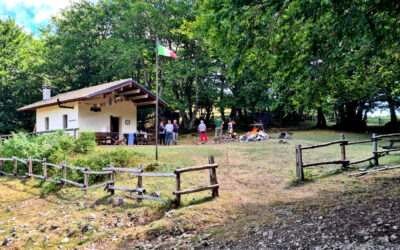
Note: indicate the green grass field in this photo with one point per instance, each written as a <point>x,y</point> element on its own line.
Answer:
<point>254,177</point>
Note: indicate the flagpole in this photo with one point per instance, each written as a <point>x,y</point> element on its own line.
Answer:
<point>156,97</point>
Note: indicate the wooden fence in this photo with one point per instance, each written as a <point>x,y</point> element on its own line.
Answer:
<point>344,162</point>
<point>110,185</point>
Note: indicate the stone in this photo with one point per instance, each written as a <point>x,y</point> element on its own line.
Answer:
<point>7,241</point>
<point>46,240</point>
<point>65,240</point>
<point>170,213</point>
<point>86,228</point>
<point>393,237</point>
<point>116,202</point>
<point>10,209</point>
<point>155,194</point>
<point>384,239</point>
<point>81,204</point>
<point>13,230</point>
<point>92,216</point>
<point>53,226</point>
<point>284,212</point>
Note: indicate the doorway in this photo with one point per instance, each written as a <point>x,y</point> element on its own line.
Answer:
<point>114,124</point>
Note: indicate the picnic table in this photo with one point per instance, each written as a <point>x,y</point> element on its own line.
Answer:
<point>145,139</point>
<point>391,144</point>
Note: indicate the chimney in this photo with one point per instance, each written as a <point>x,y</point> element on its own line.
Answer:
<point>46,91</point>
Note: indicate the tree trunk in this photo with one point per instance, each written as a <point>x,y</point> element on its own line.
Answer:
<point>321,121</point>
<point>196,105</point>
<point>392,109</point>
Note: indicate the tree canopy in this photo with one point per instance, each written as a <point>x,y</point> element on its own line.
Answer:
<point>293,58</point>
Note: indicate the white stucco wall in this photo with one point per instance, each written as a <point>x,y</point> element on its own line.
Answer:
<point>100,121</point>
<point>81,117</point>
<point>55,115</point>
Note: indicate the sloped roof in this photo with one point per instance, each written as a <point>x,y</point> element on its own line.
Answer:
<point>92,92</point>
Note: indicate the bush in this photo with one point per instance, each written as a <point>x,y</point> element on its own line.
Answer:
<point>60,146</point>
<point>86,142</point>
<point>100,158</point>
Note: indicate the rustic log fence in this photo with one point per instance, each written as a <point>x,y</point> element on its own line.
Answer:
<point>344,162</point>
<point>110,185</point>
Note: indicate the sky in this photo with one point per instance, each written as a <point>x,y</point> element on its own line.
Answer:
<point>31,14</point>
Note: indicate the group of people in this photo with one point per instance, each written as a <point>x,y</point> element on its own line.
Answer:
<point>168,132</point>
<point>219,123</point>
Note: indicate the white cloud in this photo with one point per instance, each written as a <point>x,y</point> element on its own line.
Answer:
<point>32,13</point>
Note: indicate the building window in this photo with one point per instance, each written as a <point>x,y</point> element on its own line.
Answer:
<point>46,123</point>
<point>65,121</point>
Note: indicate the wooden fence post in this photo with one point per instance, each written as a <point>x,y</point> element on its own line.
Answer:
<point>112,178</point>
<point>140,183</point>
<point>15,167</point>
<point>30,166</point>
<point>299,163</point>
<point>213,176</point>
<point>44,168</point>
<point>343,151</point>
<point>3,167</point>
<point>86,179</point>
<point>64,174</point>
<point>375,149</point>
<point>178,188</point>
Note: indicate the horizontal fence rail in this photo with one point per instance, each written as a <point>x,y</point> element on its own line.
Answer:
<point>343,161</point>
<point>110,185</point>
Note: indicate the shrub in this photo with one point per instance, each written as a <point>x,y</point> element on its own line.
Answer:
<point>86,142</point>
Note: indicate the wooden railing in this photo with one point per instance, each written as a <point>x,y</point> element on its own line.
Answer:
<point>344,161</point>
<point>110,185</point>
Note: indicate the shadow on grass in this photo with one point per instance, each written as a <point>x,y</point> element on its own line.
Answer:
<point>199,201</point>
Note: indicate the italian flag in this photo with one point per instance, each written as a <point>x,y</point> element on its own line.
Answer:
<point>162,51</point>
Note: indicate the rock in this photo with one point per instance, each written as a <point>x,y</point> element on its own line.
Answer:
<point>395,227</point>
<point>116,202</point>
<point>13,230</point>
<point>46,240</point>
<point>81,204</point>
<point>393,237</point>
<point>2,231</point>
<point>284,212</point>
<point>384,239</point>
<point>321,218</point>
<point>170,213</point>
<point>155,194</point>
<point>7,241</point>
<point>206,236</point>
<point>92,216</point>
<point>53,226</point>
<point>65,240</point>
<point>24,225</point>
<point>86,228</point>
<point>10,209</point>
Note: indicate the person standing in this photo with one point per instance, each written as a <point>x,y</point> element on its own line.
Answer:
<point>203,131</point>
<point>230,127</point>
<point>161,133</point>
<point>168,132</point>
<point>218,128</point>
<point>175,132</point>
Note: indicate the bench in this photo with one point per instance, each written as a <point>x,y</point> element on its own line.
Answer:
<point>391,145</point>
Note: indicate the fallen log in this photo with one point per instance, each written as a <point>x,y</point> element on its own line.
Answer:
<point>372,171</point>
